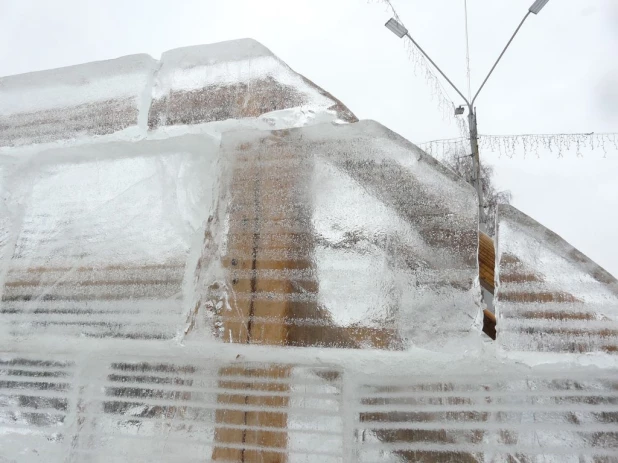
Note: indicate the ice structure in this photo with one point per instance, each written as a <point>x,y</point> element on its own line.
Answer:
<point>550,297</point>
<point>206,258</point>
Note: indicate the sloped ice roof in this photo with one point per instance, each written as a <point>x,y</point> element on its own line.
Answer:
<point>230,80</point>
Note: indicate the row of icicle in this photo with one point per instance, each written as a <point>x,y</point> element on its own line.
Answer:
<point>525,145</point>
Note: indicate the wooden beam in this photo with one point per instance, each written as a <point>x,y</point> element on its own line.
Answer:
<point>487,262</point>
<point>489,324</point>
<point>256,193</point>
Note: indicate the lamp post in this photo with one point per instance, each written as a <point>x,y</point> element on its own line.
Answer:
<point>400,31</point>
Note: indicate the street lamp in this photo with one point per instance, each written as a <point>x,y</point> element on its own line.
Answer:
<point>396,28</point>
<point>400,31</point>
<point>538,6</point>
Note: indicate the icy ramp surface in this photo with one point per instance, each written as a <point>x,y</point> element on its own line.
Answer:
<point>550,297</point>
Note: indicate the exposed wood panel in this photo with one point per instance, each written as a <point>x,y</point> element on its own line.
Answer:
<point>254,319</point>
<point>489,324</point>
<point>487,261</point>
<point>231,424</point>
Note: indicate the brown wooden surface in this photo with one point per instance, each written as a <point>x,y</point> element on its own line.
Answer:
<point>254,319</point>
<point>489,324</point>
<point>487,261</point>
<point>275,438</point>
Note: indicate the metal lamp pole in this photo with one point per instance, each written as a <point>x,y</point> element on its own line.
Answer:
<point>399,30</point>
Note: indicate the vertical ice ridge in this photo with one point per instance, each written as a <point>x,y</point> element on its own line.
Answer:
<point>145,98</point>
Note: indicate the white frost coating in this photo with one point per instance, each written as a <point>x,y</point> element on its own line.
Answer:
<point>559,272</point>
<point>145,199</point>
<point>6,214</point>
<point>74,85</point>
<point>336,194</point>
<point>315,438</point>
<point>344,209</point>
<point>231,50</point>
<point>195,67</point>
<point>232,72</point>
<point>380,264</point>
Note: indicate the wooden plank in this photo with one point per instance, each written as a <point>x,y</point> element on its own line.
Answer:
<point>250,251</point>
<point>489,324</point>
<point>487,262</point>
<point>239,419</point>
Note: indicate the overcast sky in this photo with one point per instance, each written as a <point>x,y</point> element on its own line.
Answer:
<point>560,75</point>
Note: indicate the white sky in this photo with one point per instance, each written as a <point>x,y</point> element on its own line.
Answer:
<point>560,75</point>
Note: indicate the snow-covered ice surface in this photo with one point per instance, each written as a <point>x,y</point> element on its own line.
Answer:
<point>152,212</point>
<point>550,297</point>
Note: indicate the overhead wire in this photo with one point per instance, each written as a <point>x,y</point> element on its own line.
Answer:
<point>468,73</point>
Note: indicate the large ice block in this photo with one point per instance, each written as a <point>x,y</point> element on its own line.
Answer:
<point>537,415</point>
<point>344,236</point>
<point>231,80</point>
<point>86,100</point>
<point>176,406</point>
<point>100,236</point>
<point>549,296</point>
